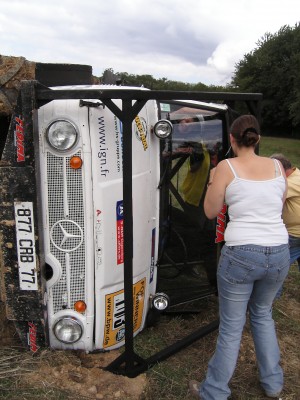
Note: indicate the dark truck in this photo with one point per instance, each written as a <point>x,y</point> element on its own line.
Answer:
<point>102,209</point>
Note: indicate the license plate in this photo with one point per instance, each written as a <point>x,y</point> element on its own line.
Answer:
<point>26,245</point>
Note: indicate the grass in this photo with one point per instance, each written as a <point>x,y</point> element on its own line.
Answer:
<point>289,147</point>
<point>15,365</point>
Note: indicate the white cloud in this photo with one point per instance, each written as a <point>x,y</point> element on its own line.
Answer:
<point>226,56</point>
<point>185,40</point>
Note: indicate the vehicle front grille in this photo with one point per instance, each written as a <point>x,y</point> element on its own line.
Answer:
<point>66,229</point>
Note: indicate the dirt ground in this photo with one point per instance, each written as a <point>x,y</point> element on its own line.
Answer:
<point>79,374</point>
<point>85,377</point>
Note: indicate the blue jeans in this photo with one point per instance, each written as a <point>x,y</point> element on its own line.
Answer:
<point>248,279</point>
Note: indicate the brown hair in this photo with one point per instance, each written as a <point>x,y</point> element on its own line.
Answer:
<point>246,130</point>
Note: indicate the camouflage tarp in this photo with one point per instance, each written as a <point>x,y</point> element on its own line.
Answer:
<point>12,71</point>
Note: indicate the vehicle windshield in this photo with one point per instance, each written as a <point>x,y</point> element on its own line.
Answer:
<point>188,248</point>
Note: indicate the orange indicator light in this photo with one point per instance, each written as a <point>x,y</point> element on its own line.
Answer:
<point>75,162</point>
<point>80,306</point>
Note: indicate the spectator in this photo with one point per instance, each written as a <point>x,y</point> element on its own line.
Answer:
<point>254,260</point>
<point>291,208</point>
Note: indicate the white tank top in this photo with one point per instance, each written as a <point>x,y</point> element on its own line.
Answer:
<point>254,209</point>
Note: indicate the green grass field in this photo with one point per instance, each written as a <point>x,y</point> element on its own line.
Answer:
<point>289,147</point>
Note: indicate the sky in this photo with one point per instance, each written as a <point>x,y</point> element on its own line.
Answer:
<point>183,40</point>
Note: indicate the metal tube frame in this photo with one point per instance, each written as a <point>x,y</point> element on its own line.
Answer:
<point>133,100</point>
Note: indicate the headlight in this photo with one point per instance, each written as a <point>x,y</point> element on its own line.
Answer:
<point>61,135</point>
<point>160,301</point>
<point>68,330</point>
<point>163,128</point>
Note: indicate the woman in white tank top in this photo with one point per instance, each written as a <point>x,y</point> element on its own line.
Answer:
<point>254,260</point>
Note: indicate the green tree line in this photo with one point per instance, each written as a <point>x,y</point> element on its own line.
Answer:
<point>272,68</point>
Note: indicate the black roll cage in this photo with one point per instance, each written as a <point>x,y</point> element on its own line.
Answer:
<point>133,100</point>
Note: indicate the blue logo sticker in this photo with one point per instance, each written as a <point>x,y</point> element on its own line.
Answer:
<point>120,335</point>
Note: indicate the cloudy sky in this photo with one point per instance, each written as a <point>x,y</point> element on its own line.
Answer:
<point>185,40</point>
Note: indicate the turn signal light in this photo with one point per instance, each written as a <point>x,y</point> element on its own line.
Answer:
<point>75,162</point>
<point>80,306</point>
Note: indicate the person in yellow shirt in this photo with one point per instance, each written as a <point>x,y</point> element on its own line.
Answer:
<point>192,161</point>
<point>291,208</point>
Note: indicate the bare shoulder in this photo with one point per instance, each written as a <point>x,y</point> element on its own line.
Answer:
<point>223,172</point>
<point>267,161</point>
<point>222,165</point>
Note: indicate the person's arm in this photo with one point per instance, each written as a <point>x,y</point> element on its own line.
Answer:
<point>215,194</point>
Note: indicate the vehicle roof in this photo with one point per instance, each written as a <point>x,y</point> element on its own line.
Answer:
<point>97,87</point>
<point>209,106</point>
<point>202,104</point>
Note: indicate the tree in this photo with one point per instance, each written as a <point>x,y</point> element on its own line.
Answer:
<point>273,69</point>
<point>150,82</point>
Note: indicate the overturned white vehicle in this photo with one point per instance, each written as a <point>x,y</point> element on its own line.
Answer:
<point>105,185</point>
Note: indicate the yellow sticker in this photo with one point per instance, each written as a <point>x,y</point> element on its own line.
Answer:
<point>114,329</point>
<point>141,132</point>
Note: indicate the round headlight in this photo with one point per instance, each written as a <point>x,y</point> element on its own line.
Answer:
<point>68,330</point>
<point>163,128</point>
<point>160,301</point>
<point>61,135</point>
